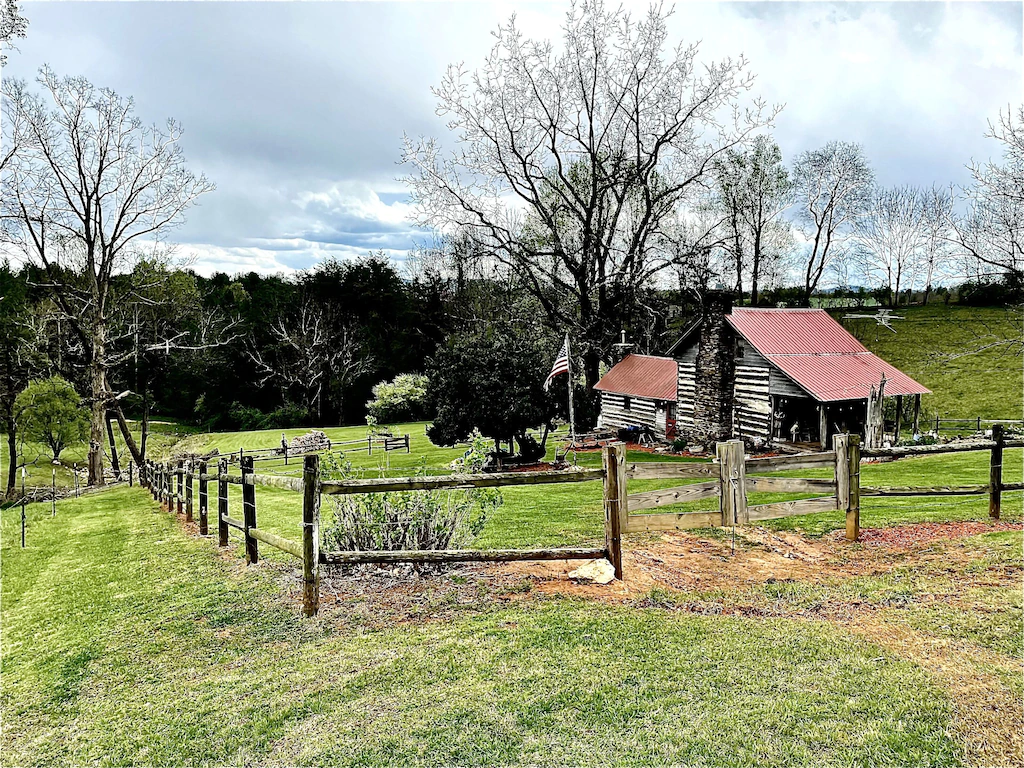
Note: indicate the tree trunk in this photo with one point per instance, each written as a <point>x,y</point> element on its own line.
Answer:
<point>98,420</point>
<point>115,462</point>
<point>12,454</point>
<point>139,457</point>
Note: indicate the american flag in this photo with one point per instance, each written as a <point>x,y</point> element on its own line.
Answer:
<point>561,363</point>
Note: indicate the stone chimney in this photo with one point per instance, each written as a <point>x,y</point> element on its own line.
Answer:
<point>715,374</point>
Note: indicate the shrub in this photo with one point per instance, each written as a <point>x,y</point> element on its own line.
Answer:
<point>249,418</point>
<point>49,411</point>
<point>404,398</point>
<point>406,520</point>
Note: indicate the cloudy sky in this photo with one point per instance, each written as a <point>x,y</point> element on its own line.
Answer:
<point>296,110</point>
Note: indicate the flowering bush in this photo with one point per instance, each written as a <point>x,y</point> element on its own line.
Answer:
<point>404,520</point>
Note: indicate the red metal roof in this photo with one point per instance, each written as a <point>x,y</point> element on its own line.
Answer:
<point>642,376</point>
<point>819,354</point>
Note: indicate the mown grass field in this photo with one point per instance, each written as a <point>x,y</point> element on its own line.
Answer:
<point>128,641</point>
<point>959,353</point>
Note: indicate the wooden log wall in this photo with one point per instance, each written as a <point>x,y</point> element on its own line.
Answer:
<point>641,412</point>
<point>752,410</point>
<point>686,392</point>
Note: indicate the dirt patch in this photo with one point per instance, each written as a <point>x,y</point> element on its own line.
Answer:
<point>924,533</point>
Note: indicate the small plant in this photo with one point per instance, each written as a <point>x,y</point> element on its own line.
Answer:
<point>406,520</point>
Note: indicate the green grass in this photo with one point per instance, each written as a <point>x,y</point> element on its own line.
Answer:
<point>929,346</point>
<point>127,642</point>
<point>40,471</point>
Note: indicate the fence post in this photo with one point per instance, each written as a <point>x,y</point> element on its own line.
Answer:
<point>616,507</point>
<point>408,449</point>
<point>995,473</point>
<point>181,486</point>
<point>252,554</point>
<point>163,485</point>
<point>310,535</point>
<point>222,502</point>
<point>853,492</point>
<point>189,477</point>
<point>131,473</point>
<point>204,500</point>
<point>369,445</point>
<point>732,480</point>
<point>841,445</point>
<point>979,425</point>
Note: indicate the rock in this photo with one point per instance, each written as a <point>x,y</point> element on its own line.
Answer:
<point>312,441</point>
<point>695,449</point>
<point>598,571</point>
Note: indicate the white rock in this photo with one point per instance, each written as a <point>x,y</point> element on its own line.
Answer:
<point>598,571</point>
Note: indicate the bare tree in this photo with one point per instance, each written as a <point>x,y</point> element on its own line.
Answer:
<point>569,164</point>
<point>991,230</point>
<point>86,186</point>
<point>937,249</point>
<point>753,190</point>
<point>310,353</point>
<point>891,236</point>
<point>833,186</point>
<point>12,26</point>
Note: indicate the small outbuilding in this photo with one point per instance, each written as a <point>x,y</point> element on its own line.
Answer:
<point>640,391</point>
<point>780,376</point>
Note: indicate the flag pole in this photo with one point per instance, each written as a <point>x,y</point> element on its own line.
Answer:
<point>572,416</point>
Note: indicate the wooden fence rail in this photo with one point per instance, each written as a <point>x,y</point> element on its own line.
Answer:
<point>729,479</point>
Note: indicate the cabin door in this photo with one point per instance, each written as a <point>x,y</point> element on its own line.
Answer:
<point>670,422</point>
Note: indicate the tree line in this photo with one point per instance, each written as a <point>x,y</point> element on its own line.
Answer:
<point>600,187</point>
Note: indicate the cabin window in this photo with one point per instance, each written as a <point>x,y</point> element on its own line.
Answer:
<point>627,402</point>
<point>739,351</point>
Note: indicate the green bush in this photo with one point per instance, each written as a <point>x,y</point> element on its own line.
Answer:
<point>402,399</point>
<point>247,418</point>
<point>49,411</point>
<point>407,520</point>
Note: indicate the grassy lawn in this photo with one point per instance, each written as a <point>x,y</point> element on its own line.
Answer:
<point>127,641</point>
<point>40,470</point>
<point>929,346</point>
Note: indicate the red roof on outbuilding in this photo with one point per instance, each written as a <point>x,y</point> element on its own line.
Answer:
<point>642,376</point>
<point>819,354</point>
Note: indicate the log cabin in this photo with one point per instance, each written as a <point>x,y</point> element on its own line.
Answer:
<point>640,391</point>
<point>769,376</point>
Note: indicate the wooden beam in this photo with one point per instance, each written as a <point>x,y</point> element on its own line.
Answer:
<point>917,414</point>
<point>995,472</point>
<point>680,494</point>
<point>666,521</point>
<point>493,480</point>
<point>461,556</point>
<point>310,535</point>
<point>924,490</point>
<point>924,450</point>
<point>789,484</point>
<point>796,461</point>
<point>616,502</point>
<point>252,552</point>
<point>732,503</point>
<point>899,418</point>
<point>853,489</point>
<point>279,542</point>
<point>789,508</point>
<point>676,470</point>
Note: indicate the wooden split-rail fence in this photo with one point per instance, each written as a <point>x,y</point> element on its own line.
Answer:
<point>730,478</point>
<point>386,442</point>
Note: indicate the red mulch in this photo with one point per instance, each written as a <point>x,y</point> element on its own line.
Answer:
<point>920,533</point>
